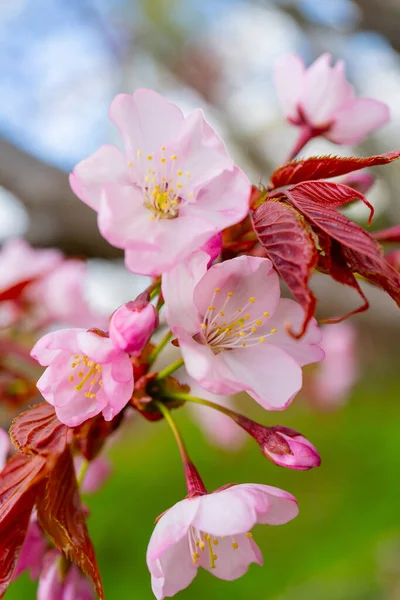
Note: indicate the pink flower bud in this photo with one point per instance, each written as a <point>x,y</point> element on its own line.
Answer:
<point>283,446</point>
<point>132,324</point>
<point>288,448</point>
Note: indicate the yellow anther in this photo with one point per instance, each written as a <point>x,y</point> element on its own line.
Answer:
<point>90,363</point>
<point>179,173</point>
<point>190,195</point>
<point>239,310</point>
<point>266,314</point>
<point>187,173</point>
<point>235,545</point>
<point>249,535</point>
<point>214,556</point>
<point>100,382</point>
<point>262,339</point>
<point>244,345</point>
<point>163,179</point>
<point>242,333</point>
<point>202,545</point>
<point>147,178</point>
<point>129,163</point>
<point>163,148</point>
<point>230,294</point>
<point>253,329</point>
<point>71,377</point>
<point>217,290</point>
<point>74,364</point>
<point>203,326</point>
<point>207,536</point>
<point>139,152</point>
<point>221,313</point>
<point>80,374</point>
<point>163,160</point>
<point>252,300</point>
<point>215,542</point>
<point>274,330</point>
<point>258,322</point>
<point>211,308</point>
<point>247,317</point>
<point>174,157</point>
<point>179,185</point>
<point>149,157</point>
<point>93,382</point>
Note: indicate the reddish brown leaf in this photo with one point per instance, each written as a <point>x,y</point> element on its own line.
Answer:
<point>290,246</point>
<point>61,515</point>
<point>361,252</point>
<point>332,195</point>
<point>20,483</point>
<point>392,234</point>
<point>38,431</point>
<point>324,167</point>
<point>91,435</point>
<point>14,292</point>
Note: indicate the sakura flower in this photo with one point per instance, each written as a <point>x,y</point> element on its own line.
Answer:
<point>61,580</point>
<point>322,102</point>
<point>20,264</point>
<point>33,550</point>
<point>231,327</point>
<point>5,445</point>
<point>171,192</point>
<point>133,323</point>
<point>87,374</point>
<point>213,531</point>
<point>331,383</point>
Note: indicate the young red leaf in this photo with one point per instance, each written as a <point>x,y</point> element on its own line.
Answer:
<point>330,194</point>
<point>38,431</point>
<point>324,167</point>
<point>290,246</point>
<point>361,252</point>
<point>20,483</point>
<point>392,234</point>
<point>61,515</point>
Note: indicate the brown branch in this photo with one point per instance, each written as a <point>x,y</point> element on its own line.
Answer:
<point>57,217</point>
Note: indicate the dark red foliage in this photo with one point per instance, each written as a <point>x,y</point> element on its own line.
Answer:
<point>324,167</point>
<point>290,245</point>
<point>61,514</point>
<point>43,474</point>
<point>20,482</point>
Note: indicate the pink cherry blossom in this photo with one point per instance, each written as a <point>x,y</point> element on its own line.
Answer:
<point>21,264</point>
<point>173,189</point>
<point>332,382</point>
<point>213,531</point>
<point>87,373</point>
<point>132,324</point>
<point>97,473</point>
<point>232,328</point>
<point>5,445</point>
<point>60,296</point>
<point>54,584</point>
<point>33,550</point>
<point>320,99</point>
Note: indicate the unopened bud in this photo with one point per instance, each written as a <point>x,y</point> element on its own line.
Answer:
<point>283,446</point>
<point>132,324</point>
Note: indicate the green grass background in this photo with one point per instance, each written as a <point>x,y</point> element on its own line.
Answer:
<point>345,543</point>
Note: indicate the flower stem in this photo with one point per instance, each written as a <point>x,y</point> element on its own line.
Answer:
<point>170,369</point>
<point>160,346</point>
<point>223,409</point>
<point>82,472</point>
<point>306,134</point>
<point>194,483</point>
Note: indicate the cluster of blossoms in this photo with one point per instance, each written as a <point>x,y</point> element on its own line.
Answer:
<point>215,247</point>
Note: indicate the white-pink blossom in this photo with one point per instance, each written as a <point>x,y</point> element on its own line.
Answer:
<point>232,328</point>
<point>321,99</point>
<point>173,189</point>
<point>213,531</point>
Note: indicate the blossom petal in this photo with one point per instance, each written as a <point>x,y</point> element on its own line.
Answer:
<point>99,348</point>
<point>288,79</point>
<point>305,350</point>
<point>47,348</point>
<point>146,121</point>
<point>174,571</point>
<point>117,380</point>
<point>232,562</point>
<point>106,164</point>
<point>267,373</point>
<point>273,505</point>
<point>357,119</point>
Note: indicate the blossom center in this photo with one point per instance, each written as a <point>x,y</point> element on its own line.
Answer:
<point>200,542</point>
<point>227,325</point>
<point>85,375</point>
<point>164,186</point>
